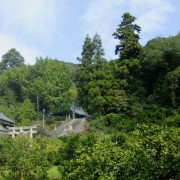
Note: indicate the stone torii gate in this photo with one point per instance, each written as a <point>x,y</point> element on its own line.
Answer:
<point>13,131</point>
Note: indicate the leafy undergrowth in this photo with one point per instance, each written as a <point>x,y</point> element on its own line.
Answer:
<point>53,173</point>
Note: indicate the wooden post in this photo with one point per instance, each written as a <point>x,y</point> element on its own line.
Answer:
<point>73,110</point>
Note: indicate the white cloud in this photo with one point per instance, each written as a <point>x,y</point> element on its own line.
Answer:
<point>8,42</point>
<point>151,14</point>
<point>36,18</point>
<point>28,24</point>
<point>100,14</point>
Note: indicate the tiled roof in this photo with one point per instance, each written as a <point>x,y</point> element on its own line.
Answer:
<point>80,111</point>
<point>3,117</point>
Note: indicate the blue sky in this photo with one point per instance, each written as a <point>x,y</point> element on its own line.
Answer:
<point>57,28</point>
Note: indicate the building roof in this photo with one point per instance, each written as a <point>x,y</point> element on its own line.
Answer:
<point>6,119</point>
<point>80,111</point>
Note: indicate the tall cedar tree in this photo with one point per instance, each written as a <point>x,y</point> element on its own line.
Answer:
<point>127,69</point>
<point>128,46</point>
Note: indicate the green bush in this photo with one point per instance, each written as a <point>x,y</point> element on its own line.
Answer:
<point>149,152</point>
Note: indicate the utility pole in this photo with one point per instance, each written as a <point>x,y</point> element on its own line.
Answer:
<point>37,102</point>
<point>73,112</point>
<point>43,118</point>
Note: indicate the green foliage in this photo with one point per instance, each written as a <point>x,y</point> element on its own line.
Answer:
<point>22,113</point>
<point>68,151</point>
<point>23,158</point>
<point>93,76</point>
<point>92,51</point>
<point>173,120</point>
<point>11,59</point>
<point>157,152</point>
<point>112,119</point>
<point>171,86</point>
<point>100,94</point>
<point>50,148</point>
<point>45,84</point>
<point>73,92</point>
<point>87,52</point>
<point>149,152</point>
<point>126,32</point>
<point>12,93</point>
<point>160,57</point>
<point>98,51</point>
<point>14,82</point>
<point>101,161</point>
<point>50,81</point>
<point>53,173</point>
<point>26,113</point>
<point>127,71</point>
<point>113,123</point>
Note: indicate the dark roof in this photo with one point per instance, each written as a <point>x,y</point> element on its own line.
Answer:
<point>80,111</point>
<point>4,118</point>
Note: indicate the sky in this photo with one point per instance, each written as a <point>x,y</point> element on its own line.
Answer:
<point>57,28</point>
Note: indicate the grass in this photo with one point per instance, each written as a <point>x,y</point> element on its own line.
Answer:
<point>54,174</point>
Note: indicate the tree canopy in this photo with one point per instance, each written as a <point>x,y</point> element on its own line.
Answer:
<point>128,35</point>
<point>11,59</point>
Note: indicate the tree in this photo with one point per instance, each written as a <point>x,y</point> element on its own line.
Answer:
<point>83,73</point>
<point>23,158</point>
<point>171,87</point>
<point>50,80</point>
<point>87,52</point>
<point>128,46</point>
<point>93,77</point>
<point>98,51</point>
<point>127,68</point>
<point>73,94</point>
<point>16,80</point>
<point>11,59</point>
<point>156,152</point>
<point>148,152</point>
<point>160,56</point>
<point>99,161</point>
<point>100,90</point>
<point>26,113</point>
<point>92,52</point>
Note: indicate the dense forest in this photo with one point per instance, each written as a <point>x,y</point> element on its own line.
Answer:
<point>134,103</point>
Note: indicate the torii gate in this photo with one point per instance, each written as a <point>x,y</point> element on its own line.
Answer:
<point>23,130</point>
